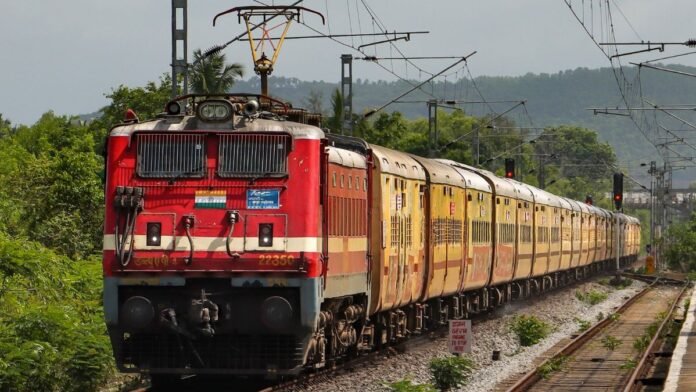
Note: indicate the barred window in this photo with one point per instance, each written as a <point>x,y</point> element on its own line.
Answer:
<point>526,234</point>
<point>555,234</point>
<point>409,231</point>
<point>171,155</point>
<point>250,155</point>
<point>395,226</point>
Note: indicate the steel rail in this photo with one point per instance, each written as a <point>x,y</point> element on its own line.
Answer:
<point>634,382</point>
<point>533,376</point>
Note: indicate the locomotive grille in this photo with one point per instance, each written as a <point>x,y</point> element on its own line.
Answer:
<point>169,156</point>
<point>245,155</point>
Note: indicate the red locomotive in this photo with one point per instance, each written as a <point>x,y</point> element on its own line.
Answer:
<point>243,239</point>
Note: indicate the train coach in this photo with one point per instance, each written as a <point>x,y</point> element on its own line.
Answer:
<point>246,240</point>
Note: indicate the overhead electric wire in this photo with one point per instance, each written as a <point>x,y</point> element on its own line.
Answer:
<point>419,85</point>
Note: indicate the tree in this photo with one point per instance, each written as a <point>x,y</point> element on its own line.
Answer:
<point>210,74</point>
<point>314,102</point>
<point>680,247</point>
<point>335,122</point>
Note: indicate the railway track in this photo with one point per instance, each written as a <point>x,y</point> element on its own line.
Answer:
<point>615,354</point>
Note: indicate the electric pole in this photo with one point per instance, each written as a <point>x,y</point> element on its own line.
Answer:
<point>179,46</point>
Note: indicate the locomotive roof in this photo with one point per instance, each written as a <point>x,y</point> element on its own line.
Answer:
<point>346,158</point>
<point>441,173</point>
<point>398,163</point>
<point>238,124</point>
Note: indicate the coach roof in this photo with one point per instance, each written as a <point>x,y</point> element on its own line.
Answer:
<point>397,163</point>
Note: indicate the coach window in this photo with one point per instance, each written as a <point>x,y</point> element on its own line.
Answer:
<point>334,179</point>
<point>364,184</point>
<point>342,178</point>
<point>350,182</point>
<point>357,183</point>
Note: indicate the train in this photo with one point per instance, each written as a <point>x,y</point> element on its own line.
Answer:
<point>241,238</point>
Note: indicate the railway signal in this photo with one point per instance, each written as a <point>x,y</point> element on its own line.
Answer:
<point>588,200</point>
<point>618,190</point>
<point>509,168</point>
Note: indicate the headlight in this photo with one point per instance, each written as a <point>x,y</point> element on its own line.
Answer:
<point>215,110</point>
<point>137,312</point>
<point>265,234</point>
<point>154,234</point>
<point>276,313</point>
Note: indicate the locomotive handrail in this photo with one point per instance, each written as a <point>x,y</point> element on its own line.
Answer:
<point>188,222</point>
<point>233,218</point>
<point>285,105</point>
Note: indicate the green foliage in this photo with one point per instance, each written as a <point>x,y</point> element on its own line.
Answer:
<point>147,102</point>
<point>583,325</point>
<point>450,372</point>
<point>641,343</point>
<point>551,366</point>
<point>53,193</point>
<point>211,74</point>
<point>615,316</point>
<point>51,325</point>
<point>610,342</point>
<point>629,364</point>
<point>600,316</point>
<point>680,249</point>
<point>529,329</point>
<point>592,297</point>
<point>407,385</point>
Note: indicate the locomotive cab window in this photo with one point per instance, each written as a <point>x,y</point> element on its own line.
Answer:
<point>171,156</point>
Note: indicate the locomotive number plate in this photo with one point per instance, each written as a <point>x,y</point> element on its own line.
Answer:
<point>263,199</point>
<point>277,260</point>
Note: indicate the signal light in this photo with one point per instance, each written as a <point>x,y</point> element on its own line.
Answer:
<point>509,168</point>
<point>618,190</point>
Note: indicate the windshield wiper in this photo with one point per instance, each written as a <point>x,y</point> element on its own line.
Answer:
<point>258,176</point>
<point>188,173</point>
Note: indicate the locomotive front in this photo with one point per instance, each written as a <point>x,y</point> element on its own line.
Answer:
<point>212,249</point>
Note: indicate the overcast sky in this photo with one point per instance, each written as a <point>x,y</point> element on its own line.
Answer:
<point>65,55</point>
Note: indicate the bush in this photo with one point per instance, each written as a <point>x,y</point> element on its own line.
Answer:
<point>52,335</point>
<point>529,329</point>
<point>592,297</point>
<point>450,372</point>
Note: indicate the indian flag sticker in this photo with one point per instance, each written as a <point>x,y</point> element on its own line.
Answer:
<point>211,199</point>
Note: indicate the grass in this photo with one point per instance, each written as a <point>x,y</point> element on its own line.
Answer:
<point>583,325</point>
<point>529,329</point>
<point>552,365</point>
<point>629,364</point>
<point>592,297</point>
<point>610,343</point>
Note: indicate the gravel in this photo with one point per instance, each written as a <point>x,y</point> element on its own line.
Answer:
<point>560,309</point>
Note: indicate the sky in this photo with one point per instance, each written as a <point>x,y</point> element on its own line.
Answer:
<point>66,55</point>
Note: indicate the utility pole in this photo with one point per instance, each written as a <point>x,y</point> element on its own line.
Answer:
<point>476,145</point>
<point>347,91</point>
<point>432,128</point>
<point>653,171</point>
<point>179,45</point>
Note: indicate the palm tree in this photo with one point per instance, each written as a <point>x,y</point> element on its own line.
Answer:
<point>210,74</point>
